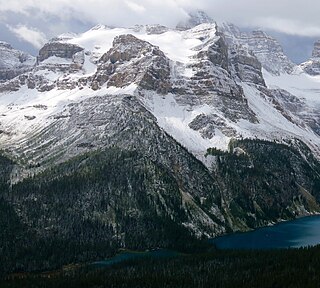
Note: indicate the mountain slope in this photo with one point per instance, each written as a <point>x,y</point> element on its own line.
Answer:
<point>148,136</point>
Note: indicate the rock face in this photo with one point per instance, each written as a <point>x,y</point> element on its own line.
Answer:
<point>132,60</point>
<point>246,65</point>
<point>214,84</point>
<point>61,50</point>
<point>269,52</point>
<point>267,49</point>
<point>13,62</point>
<point>316,50</point>
<point>55,57</point>
<point>312,66</point>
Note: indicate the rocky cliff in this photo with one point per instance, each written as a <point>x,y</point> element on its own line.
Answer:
<point>267,49</point>
<point>312,66</point>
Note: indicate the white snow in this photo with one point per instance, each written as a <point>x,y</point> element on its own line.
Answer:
<point>10,58</point>
<point>56,60</point>
<point>15,106</point>
<point>179,46</point>
<point>300,84</point>
<point>272,124</point>
<point>88,67</point>
<point>175,120</point>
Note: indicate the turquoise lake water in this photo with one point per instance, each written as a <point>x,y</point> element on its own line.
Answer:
<point>292,234</point>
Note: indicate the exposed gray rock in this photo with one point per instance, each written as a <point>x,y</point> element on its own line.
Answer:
<point>316,50</point>
<point>13,62</point>
<point>267,49</point>
<point>312,66</point>
<point>207,125</point>
<point>29,117</point>
<point>58,49</point>
<point>246,65</point>
<point>213,83</point>
<point>269,52</point>
<point>132,60</point>
<point>218,53</point>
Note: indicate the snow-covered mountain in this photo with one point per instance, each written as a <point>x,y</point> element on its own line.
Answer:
<point>204,128</point>
<point>205,85</point>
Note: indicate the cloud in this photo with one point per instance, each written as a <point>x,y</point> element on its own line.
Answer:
<point>286,16</point>
<point>30,35</point>
<point>291,17</point>
<point>288,26</point>
<point>111,12</point>
<point>135,7</point>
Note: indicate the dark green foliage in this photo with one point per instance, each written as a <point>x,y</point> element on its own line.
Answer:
<point>278,268</point>
<point>215,152</point>
<point>6,166</point>
<point>89,207</point>
<point>267,180</point>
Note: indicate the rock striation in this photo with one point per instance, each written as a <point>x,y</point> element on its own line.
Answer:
<point>58,49</point>
<point>267,49</point>
<point>312,66</point>
<point>134,61</point>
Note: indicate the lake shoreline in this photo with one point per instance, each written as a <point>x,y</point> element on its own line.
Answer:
<point>282,235</point>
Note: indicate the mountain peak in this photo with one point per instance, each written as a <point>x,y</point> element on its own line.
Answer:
<point>5,45</point>
<point>267,49</point>
<point>195,18</point>
<point>312,66</point>
<point>316,50</point>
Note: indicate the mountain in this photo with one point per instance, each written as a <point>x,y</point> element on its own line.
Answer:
<point>194,19</point>
<point>312,66</point>
<point>267,49</point>
<point>13,62</point>
<point>149,137</point>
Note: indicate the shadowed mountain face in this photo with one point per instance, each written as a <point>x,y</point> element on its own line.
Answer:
<point>152,137</point>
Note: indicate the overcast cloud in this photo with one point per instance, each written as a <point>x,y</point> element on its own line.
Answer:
<point>30,35</point>
<point>289,16</point>
<point>32,19</point>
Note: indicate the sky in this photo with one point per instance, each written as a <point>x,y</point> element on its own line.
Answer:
<point>28,24</point>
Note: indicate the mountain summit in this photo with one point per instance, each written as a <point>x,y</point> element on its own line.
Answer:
<point>194,19</point>
<point>312,66</point>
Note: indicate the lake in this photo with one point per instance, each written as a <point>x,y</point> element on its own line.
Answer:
<point>291,234</point>
<point>132,255</point>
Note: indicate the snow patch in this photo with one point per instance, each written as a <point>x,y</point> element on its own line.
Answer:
<point>175,120</point>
